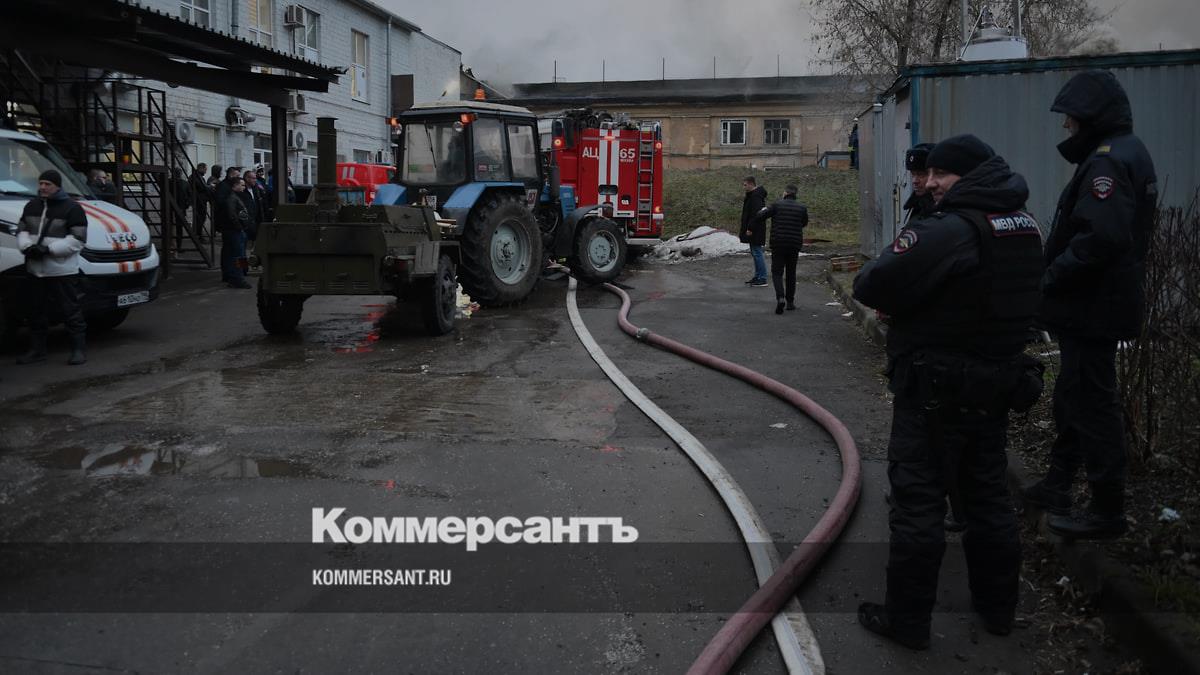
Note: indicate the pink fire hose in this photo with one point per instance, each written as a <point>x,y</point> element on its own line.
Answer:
<point>724,649</point>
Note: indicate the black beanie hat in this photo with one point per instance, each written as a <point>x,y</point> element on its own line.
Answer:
<point>959,154</point>
<point>914,159</point>
<point>52,176</point>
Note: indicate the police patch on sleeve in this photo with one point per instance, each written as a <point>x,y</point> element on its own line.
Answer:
<point>904,242</point>
<point>1013,224</point>
<point>1102,187</point>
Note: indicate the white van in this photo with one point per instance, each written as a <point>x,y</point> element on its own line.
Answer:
<point>118,261</point>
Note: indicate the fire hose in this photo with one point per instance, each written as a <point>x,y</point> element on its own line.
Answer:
<point>778,582</point>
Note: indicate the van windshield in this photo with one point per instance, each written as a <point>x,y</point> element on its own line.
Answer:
<point>22,161</point>
<point>434,154</point>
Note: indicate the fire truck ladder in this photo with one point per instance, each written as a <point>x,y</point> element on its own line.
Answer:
<point>647,136</point>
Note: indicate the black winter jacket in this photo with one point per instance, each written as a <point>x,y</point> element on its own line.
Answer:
<point>911,278</point>
<point>1095,254</point>
<point>788,220</point>
<point>752,203</point>
<point>231,215</point>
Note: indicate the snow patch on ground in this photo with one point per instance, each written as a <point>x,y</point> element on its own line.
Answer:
<point>699,244</point>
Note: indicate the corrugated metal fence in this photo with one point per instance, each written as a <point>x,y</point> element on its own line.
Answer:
<point>1007,104</point>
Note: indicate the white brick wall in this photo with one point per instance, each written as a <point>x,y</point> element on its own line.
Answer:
<point>361,125</point>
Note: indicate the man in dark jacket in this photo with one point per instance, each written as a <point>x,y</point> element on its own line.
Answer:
<point>254,200</point>
<point>752,233</point>
<point>788,220</point>
<point>52,232</point>
<point>1094,297</point>
<point>232,219</point>
<point>961,286</point>
<point>201,196</point>
<point>920,203</point>
<point>100,184</point>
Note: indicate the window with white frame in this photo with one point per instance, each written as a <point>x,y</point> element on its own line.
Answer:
<point>358,66</point>
<point>733,132</point>
<point>261,21</point>
<point>205,146</point>
<point>196,11</point>
<point>307,36</point>
<point>775,132</point>
<point>308,165</point>
<point>262,151</point>
<point>364,157</point>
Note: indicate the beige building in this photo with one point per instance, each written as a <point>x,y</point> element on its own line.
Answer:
<point>760,122</point>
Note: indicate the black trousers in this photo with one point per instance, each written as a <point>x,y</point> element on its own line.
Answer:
<point>61,296</point>
<point>925,455</point>
<point>199,215</point>
<point>1087,415</point>
<point>783,260</point>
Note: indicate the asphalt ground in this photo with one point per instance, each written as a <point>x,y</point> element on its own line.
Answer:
<point>193,438</point>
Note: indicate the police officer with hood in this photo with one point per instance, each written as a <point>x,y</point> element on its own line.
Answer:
<point>920,203</point>
<point>1094,297</point>
<point>961,286</point>
<point>52,232</point>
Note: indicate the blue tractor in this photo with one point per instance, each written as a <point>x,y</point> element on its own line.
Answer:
<point>480,165</point>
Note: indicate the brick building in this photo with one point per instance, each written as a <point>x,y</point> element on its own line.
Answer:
<point>762,122</point>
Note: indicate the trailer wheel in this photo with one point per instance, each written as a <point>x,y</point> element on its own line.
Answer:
<point>600,251</point>
<point>279,314</point>
<point>501,252</point>
<point>102,323</point>
<point>439,298</point>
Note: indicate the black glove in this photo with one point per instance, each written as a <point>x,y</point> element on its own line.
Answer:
<point>34,252</point>
<point>44,248</point>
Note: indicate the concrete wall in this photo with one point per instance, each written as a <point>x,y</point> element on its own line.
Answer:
<point>362,125</point>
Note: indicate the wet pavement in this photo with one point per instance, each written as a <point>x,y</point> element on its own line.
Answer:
<point>189,424</point>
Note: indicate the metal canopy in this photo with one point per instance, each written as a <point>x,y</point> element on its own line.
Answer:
<point>125,36</point>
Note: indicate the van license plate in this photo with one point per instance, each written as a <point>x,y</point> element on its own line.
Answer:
<point>133,298</point>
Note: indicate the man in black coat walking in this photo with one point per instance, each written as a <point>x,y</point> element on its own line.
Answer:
<point>1094,297</point>
<point>788,220</point>
<point>752,233</point>
<point>961,287</point>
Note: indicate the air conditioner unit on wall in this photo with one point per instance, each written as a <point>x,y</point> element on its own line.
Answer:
<point>295,102</point>
<point>293,16</point>
<point>296,140</point>
<point>184,131</point>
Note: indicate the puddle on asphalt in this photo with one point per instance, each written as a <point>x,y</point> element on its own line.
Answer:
<point>135,460</point>
<point>379,321</point>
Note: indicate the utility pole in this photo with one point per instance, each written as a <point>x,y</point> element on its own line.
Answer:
<point>777,69</point>
<point>714,67</point>
<point>664,77</point>
<point>555,71</point>
<point>603,70</point>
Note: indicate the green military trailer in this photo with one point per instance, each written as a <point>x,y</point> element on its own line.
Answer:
<point>327,247</point>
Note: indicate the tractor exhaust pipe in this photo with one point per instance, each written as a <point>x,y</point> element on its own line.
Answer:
<point>326,190</point>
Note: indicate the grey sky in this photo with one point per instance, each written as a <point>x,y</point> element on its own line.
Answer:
<point>518,40</point>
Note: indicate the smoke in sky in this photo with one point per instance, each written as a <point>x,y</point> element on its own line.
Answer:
<point>519,40</point>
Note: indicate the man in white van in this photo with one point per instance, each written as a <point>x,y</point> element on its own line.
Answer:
<point>52,232</point>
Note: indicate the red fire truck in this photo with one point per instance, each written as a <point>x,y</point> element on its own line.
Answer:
<point>614,165</point>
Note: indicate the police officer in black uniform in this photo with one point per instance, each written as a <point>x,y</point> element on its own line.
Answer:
<point>920,203</point>
<point>1093,297</point>
<point>961,287</point>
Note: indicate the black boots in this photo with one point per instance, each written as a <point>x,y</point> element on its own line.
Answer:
<point>37,350</point>
<point>77,354</point>
<point>1103,519</point>
<point>1046,498</point>
<point>874,617</point>
<point>779,306</point>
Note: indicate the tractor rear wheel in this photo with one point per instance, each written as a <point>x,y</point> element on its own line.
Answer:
<point>501,252</point>
<point>439,298</point>
<point>600,251</point>
<point>279,314</point>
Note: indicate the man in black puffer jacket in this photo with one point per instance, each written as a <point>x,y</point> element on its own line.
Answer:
<point>1094,296</point>
<point>788,220</point>
<point>961,286</point>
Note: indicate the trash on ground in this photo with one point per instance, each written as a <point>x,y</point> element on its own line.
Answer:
<point>1168,515</point>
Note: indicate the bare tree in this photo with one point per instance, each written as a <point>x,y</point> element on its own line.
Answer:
<point>876,39</point>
